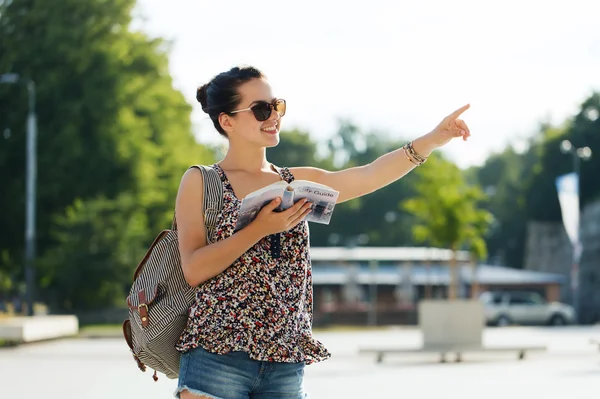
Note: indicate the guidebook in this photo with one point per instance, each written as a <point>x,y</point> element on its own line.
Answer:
<point>323,200</point>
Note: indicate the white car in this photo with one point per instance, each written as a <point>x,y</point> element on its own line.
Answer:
<point>503,308</point>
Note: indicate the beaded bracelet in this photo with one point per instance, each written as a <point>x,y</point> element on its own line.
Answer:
<point>412,155</point>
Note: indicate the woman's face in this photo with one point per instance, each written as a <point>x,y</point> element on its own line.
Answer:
<point>244,127</point>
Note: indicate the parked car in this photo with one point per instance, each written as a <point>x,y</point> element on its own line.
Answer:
<point>503,308</point>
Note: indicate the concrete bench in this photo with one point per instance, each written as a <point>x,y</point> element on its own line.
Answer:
<point>458,350</point>
<point>451,327</point>
<point>37,328</point>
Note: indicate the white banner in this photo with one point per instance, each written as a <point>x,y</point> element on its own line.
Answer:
<point>568,197</point>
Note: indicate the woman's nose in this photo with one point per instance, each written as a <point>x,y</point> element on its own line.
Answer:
<point>274,114</point>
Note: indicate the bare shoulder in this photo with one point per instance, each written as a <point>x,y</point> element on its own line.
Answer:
<point>191,185</point>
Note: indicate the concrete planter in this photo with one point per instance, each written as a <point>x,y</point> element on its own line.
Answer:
<point>38,328</point>
<point>454,326</point>
<point>451,323</point>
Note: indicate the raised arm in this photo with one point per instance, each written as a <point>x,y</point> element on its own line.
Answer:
<point>361,180</point>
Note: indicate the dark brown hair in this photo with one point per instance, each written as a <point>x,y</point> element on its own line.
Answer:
<point>221,93</point>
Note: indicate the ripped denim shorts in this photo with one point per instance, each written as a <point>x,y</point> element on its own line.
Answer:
<point>235,376</point>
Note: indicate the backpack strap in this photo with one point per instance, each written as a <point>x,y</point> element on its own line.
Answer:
<point>213,200</point>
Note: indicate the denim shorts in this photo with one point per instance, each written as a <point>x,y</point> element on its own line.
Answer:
<point>235,376</point>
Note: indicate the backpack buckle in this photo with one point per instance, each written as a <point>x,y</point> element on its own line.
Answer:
<point>143,309</point>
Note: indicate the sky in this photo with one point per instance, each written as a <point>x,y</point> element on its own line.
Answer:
<point>397,67</point>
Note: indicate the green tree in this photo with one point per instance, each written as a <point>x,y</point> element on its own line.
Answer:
<point>478,251</point>
<point>296,148</point>
<point>522,185</point>
<point>375,219</point>
<point>505,177</point>
<point>347,144</point>
<point>447,211</point>
<point>110,124</point>
<point>582,130</point>
<point>99,243</point>
<point>378,214</point>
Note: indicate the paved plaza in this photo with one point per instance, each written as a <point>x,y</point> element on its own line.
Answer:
<point>103,368</point>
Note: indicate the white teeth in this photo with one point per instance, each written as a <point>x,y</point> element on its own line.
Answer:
<point>270,129</point>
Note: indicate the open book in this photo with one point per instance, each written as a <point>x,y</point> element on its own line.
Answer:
<point>323,200</point>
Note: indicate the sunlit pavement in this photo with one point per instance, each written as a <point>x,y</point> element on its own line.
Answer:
<point>103,368</point>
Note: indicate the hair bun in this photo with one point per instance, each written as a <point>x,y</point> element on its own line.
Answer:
<point>202,97</point>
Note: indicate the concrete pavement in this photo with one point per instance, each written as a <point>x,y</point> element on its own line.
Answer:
<point>103,368</point>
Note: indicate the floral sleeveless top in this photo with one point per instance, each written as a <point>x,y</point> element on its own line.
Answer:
<point>259,305</point>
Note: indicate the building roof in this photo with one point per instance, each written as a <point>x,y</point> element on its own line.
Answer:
<point>385,254</point>
<point>418,275</point>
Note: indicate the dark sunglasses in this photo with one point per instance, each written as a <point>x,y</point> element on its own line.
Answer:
<point>262,110</point>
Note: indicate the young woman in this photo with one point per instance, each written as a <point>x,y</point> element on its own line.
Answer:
<point>249,332</point>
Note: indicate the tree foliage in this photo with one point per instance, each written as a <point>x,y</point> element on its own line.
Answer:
<point>522,184</point>
<point>110,125</point>
<point>447,211</point>
<point>114,138</point>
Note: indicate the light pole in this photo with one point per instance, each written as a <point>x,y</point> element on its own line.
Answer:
<point>578,154</point>
<point>30,194</point>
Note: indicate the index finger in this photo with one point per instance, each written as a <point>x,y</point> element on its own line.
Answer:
<point>459,111</point>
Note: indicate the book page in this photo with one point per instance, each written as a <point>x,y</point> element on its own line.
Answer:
<point>254,202</point>
<point>323,198</point>
<point>279,185</point>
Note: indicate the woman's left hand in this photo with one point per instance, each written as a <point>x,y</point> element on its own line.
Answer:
<point>451,127</point>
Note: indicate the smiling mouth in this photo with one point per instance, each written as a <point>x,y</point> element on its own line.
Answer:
<point>270,129</point>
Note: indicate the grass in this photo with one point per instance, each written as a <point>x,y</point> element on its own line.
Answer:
<point>100,327</point>
<point>101,330</point>
<point>6,344</point>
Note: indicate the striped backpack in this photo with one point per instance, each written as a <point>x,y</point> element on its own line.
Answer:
<point>160,298</point>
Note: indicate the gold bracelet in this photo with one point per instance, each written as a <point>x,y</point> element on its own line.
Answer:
<point>409,157</point>
<point>412,155</point>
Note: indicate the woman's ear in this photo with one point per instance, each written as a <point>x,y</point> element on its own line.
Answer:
<point>226,122</point>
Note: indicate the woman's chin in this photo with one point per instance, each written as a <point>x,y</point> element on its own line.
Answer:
<point>272,141</point>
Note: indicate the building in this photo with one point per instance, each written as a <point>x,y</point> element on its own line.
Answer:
<point>548,249</point>
<point>346,279</point>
